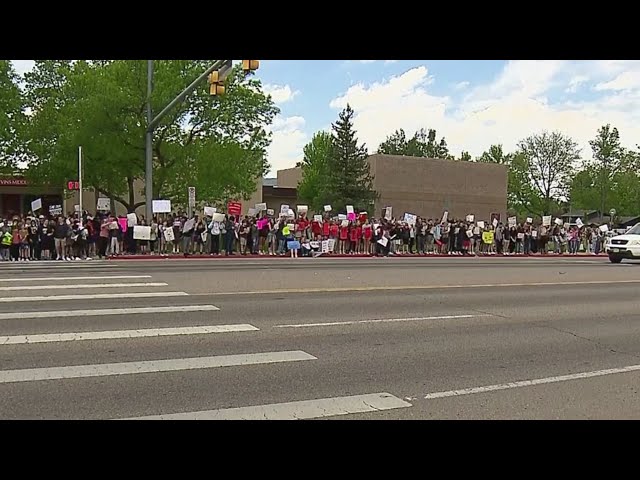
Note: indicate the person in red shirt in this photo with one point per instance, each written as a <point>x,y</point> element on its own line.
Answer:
<point>344,238</point>
<point>353,237</point>
<point>325,229</point>
<point>316,229</point>
<point>333,231</point>
<point>367,230</point>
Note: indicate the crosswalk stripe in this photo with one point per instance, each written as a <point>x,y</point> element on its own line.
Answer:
<point>46,279</point>
<point>153,366</point>
<point>108,311</point>
<point>95,296</point>
<point>117,334</point>
<point>306,409</point>
<point>83,285</point>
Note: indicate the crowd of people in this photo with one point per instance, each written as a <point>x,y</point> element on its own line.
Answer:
<point>83,237</point>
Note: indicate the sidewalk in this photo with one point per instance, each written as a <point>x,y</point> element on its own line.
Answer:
<point>414,255</point>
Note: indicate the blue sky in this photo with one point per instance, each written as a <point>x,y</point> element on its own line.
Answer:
<point>472,103</point>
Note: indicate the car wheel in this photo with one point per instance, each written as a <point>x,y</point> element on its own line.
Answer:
<point>615,259</point>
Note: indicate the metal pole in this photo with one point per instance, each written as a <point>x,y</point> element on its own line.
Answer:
<point>80,183</point>
<point>149,146</point>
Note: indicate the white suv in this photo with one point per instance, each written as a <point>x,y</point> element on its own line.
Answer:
<point>624,246</point>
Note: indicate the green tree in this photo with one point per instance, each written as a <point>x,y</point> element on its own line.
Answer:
<point>584,191</point>
<point>12,117</point>
<point>548,160</point>
<point>313,187</point>
<point>217,144</point>
<point>465,157</point>
<point>349,171</point>
<point>608,159</point>
<point>521,198</point>
<point>422,144</point>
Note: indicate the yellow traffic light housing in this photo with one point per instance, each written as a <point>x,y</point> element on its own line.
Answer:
<point>216,84</point>
<point>250,65</point>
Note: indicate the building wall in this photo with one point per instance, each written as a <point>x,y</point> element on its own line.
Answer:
<point>427,187</point>
<point>289,178</point>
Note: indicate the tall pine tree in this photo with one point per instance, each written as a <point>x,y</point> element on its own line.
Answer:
<point>350,176</point>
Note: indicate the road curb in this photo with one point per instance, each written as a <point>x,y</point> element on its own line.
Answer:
<point>268,257</point>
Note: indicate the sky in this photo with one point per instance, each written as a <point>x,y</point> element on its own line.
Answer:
<point>472,103</point>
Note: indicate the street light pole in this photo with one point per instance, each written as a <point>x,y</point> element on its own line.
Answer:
<point>224,67</point>
<point>149,147</point>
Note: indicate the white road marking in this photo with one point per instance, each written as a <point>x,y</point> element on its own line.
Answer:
<point>107,311</point>
<point>419,287</point>
<point>117,334</point>
<point>381,320</point>
<point>531,383</point>
<point>153,366</point>
<point>303,410</point>
<point>47,279</point>
<point>94,296</point>
<point>96,286</point>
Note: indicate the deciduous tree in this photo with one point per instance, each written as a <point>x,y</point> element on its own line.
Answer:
<point>548,160</point>
<point>314,188</point>
<point>217,144</point>
<point>12,117</point>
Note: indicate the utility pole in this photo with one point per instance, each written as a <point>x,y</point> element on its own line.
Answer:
<point>80,184</point>
<point>222,66</point>
<point>148,149</point>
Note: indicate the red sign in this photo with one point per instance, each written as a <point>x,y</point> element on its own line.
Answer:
<point>234,208</point>
<point>71,185</point>
<point>13,182</point>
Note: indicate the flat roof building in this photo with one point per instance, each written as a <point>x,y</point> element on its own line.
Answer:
<point>421,186</point>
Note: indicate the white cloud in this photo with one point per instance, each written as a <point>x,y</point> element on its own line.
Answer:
<point>281,93</point>
<point>520,101</point>
<point>461,85</point>
<point>576,82</point>
<point>288,140</point>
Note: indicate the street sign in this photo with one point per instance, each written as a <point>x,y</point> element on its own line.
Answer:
<point>192,197</point>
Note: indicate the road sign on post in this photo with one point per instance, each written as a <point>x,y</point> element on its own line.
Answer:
<point>192,200</point>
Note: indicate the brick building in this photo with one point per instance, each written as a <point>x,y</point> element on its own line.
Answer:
<point>422,186</point>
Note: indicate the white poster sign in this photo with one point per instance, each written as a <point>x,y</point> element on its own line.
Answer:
<point>317,218</point>
<point>445,217</point>
<point>132,219</point>
<point>546,220</point>
<point>579,223</point>
<point>36,205</point>
<point>350,209</point>
<point>470,218</point>
<point>271,211</point>
<point>495,222</point>
<point>104,204</point>
<point>218,217</point>
<point>513,221</point>
<point>303,208</point>
<point>141,232</point>
<point>410,219</point>
<point>168,234</point>
<point>559,222</point>
<point>327,208</point>
<point>388,213</point>
<point>384,241</point>
<point>261,207</point>
<point>529,220</point>
<point>209,211</point>
<point>284,209</point>
<point>325,246</point>
<point>481,224</point>
<point>252,212</point>
<point>189,225</point>
<point>161,206</point>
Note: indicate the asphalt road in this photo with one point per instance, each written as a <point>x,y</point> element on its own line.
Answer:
<point>321,338</point>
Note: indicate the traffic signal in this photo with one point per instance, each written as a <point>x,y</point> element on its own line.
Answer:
<point>216,84</point>
<point>72,185</point>
<point>250,65</point>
